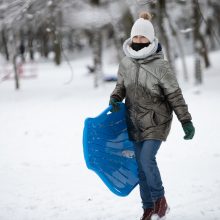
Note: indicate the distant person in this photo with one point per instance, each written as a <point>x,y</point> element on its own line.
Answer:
<point>22,50</point>
<point>151,93</point>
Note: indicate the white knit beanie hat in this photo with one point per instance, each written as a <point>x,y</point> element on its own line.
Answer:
<point>143,27</point>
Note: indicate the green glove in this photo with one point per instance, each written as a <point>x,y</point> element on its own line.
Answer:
<point>189,130</point>
<point>115,105</point>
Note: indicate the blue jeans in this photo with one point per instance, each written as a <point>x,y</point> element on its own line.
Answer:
<point>151,186</point>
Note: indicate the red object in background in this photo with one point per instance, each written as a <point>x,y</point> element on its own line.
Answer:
<point>25,71</point>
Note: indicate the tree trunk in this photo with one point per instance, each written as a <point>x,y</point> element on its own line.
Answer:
<point>22,46</point>
<point>97,50</point>
<point>181,50</point>
<point>14,53</point>
<point>57,34</point>
<point>16,76</point>
<point>127,22</point>
<point>4,42</point>
<point>70,40</point>
<point>198,70</point>
<point>198,43</point>
<point>121,28</point>
<point>97,56</point>
<point>30,43</point>
<point>118,40</point>
<point>57,50</point>
<point>204,51</point>
<point>44,44</point>
<point>163,37</point>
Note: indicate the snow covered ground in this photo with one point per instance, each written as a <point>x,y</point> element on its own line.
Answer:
<point>42,171</point>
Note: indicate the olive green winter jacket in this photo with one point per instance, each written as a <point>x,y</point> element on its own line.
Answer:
<point>151,93</point>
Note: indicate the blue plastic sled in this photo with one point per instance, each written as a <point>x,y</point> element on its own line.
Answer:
<point>108,151</point>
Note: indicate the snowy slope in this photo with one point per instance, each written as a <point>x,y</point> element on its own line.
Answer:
<point>42,171</point>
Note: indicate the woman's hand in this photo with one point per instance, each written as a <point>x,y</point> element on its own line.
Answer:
<point>115,105</point>
<point>189,130</point>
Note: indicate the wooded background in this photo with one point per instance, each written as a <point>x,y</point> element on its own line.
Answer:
<point>67,26</point>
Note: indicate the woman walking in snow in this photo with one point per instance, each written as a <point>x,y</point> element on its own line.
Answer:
<point>151,93</point>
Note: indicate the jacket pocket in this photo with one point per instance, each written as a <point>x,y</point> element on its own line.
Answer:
<point>160,118</point>
<point>146,120</point>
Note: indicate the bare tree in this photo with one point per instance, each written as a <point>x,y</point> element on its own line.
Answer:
<point>200,49</point>
<point>5,43</point>
<point>160,21</point>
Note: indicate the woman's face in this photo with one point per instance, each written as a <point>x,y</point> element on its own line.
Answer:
<point>140,39</point>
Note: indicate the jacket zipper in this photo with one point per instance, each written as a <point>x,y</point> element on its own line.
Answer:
<point>136,80</point>
<point>135,93</point>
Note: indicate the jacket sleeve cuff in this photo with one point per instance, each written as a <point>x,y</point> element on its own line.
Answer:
<point>185,121</point>
<point>116,97</point>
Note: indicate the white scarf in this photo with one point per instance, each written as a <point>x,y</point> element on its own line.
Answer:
<point>140,54</point>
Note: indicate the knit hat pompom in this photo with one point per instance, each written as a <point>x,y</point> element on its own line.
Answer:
<point>143,27</point>
<point>145,15</point>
